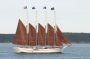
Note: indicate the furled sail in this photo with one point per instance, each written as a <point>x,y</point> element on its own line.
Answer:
<point>41,35</point>
<point>50,35</point>
<point>32,35</point>
<point>61,37</point>
<point>21,35</point>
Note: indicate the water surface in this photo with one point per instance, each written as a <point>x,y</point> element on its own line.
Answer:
<point>76,51</point>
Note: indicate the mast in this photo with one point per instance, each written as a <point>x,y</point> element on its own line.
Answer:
<point>36,25</point>
<point>27,25</point>
<point>27,18</point>
<point>55,29</point>
<point>46,25</point>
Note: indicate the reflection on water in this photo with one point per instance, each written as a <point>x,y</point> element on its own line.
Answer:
<point>76,51</point>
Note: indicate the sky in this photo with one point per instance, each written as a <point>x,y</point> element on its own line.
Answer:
<point>71,15</point>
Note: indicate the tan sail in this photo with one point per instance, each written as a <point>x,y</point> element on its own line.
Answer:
<point>32,36</point>
<point>50,35</point>
<point>41,35</point>
<point>61,37</point>
<point>20,36</point>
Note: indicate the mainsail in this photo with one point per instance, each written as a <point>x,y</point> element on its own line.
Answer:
<point>61,37</point>
<point>41,35</point>
<point>20,36</point>
<point>24,38</point>
<point>50,35</point>
<point>32,36</point>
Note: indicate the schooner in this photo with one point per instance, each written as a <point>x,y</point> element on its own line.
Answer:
<point>39,39</point>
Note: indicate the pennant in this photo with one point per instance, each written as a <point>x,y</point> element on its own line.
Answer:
<point>44,7</point>
<point>33,8</point>
<point>52,8</point>
<point>25,7</point>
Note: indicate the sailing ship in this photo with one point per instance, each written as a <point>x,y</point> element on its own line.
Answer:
<point>39,39</point>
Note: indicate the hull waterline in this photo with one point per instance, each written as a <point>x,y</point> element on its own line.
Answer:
<point>38,50</point>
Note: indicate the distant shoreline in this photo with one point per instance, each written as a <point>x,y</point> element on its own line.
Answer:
<point>72,37</point>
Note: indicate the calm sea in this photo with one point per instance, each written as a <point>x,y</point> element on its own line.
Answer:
<point>76,51</point>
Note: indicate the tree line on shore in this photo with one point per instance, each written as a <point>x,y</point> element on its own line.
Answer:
<point>73,37</point>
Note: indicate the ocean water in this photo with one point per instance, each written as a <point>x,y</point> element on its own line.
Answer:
<point>75,51</point>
